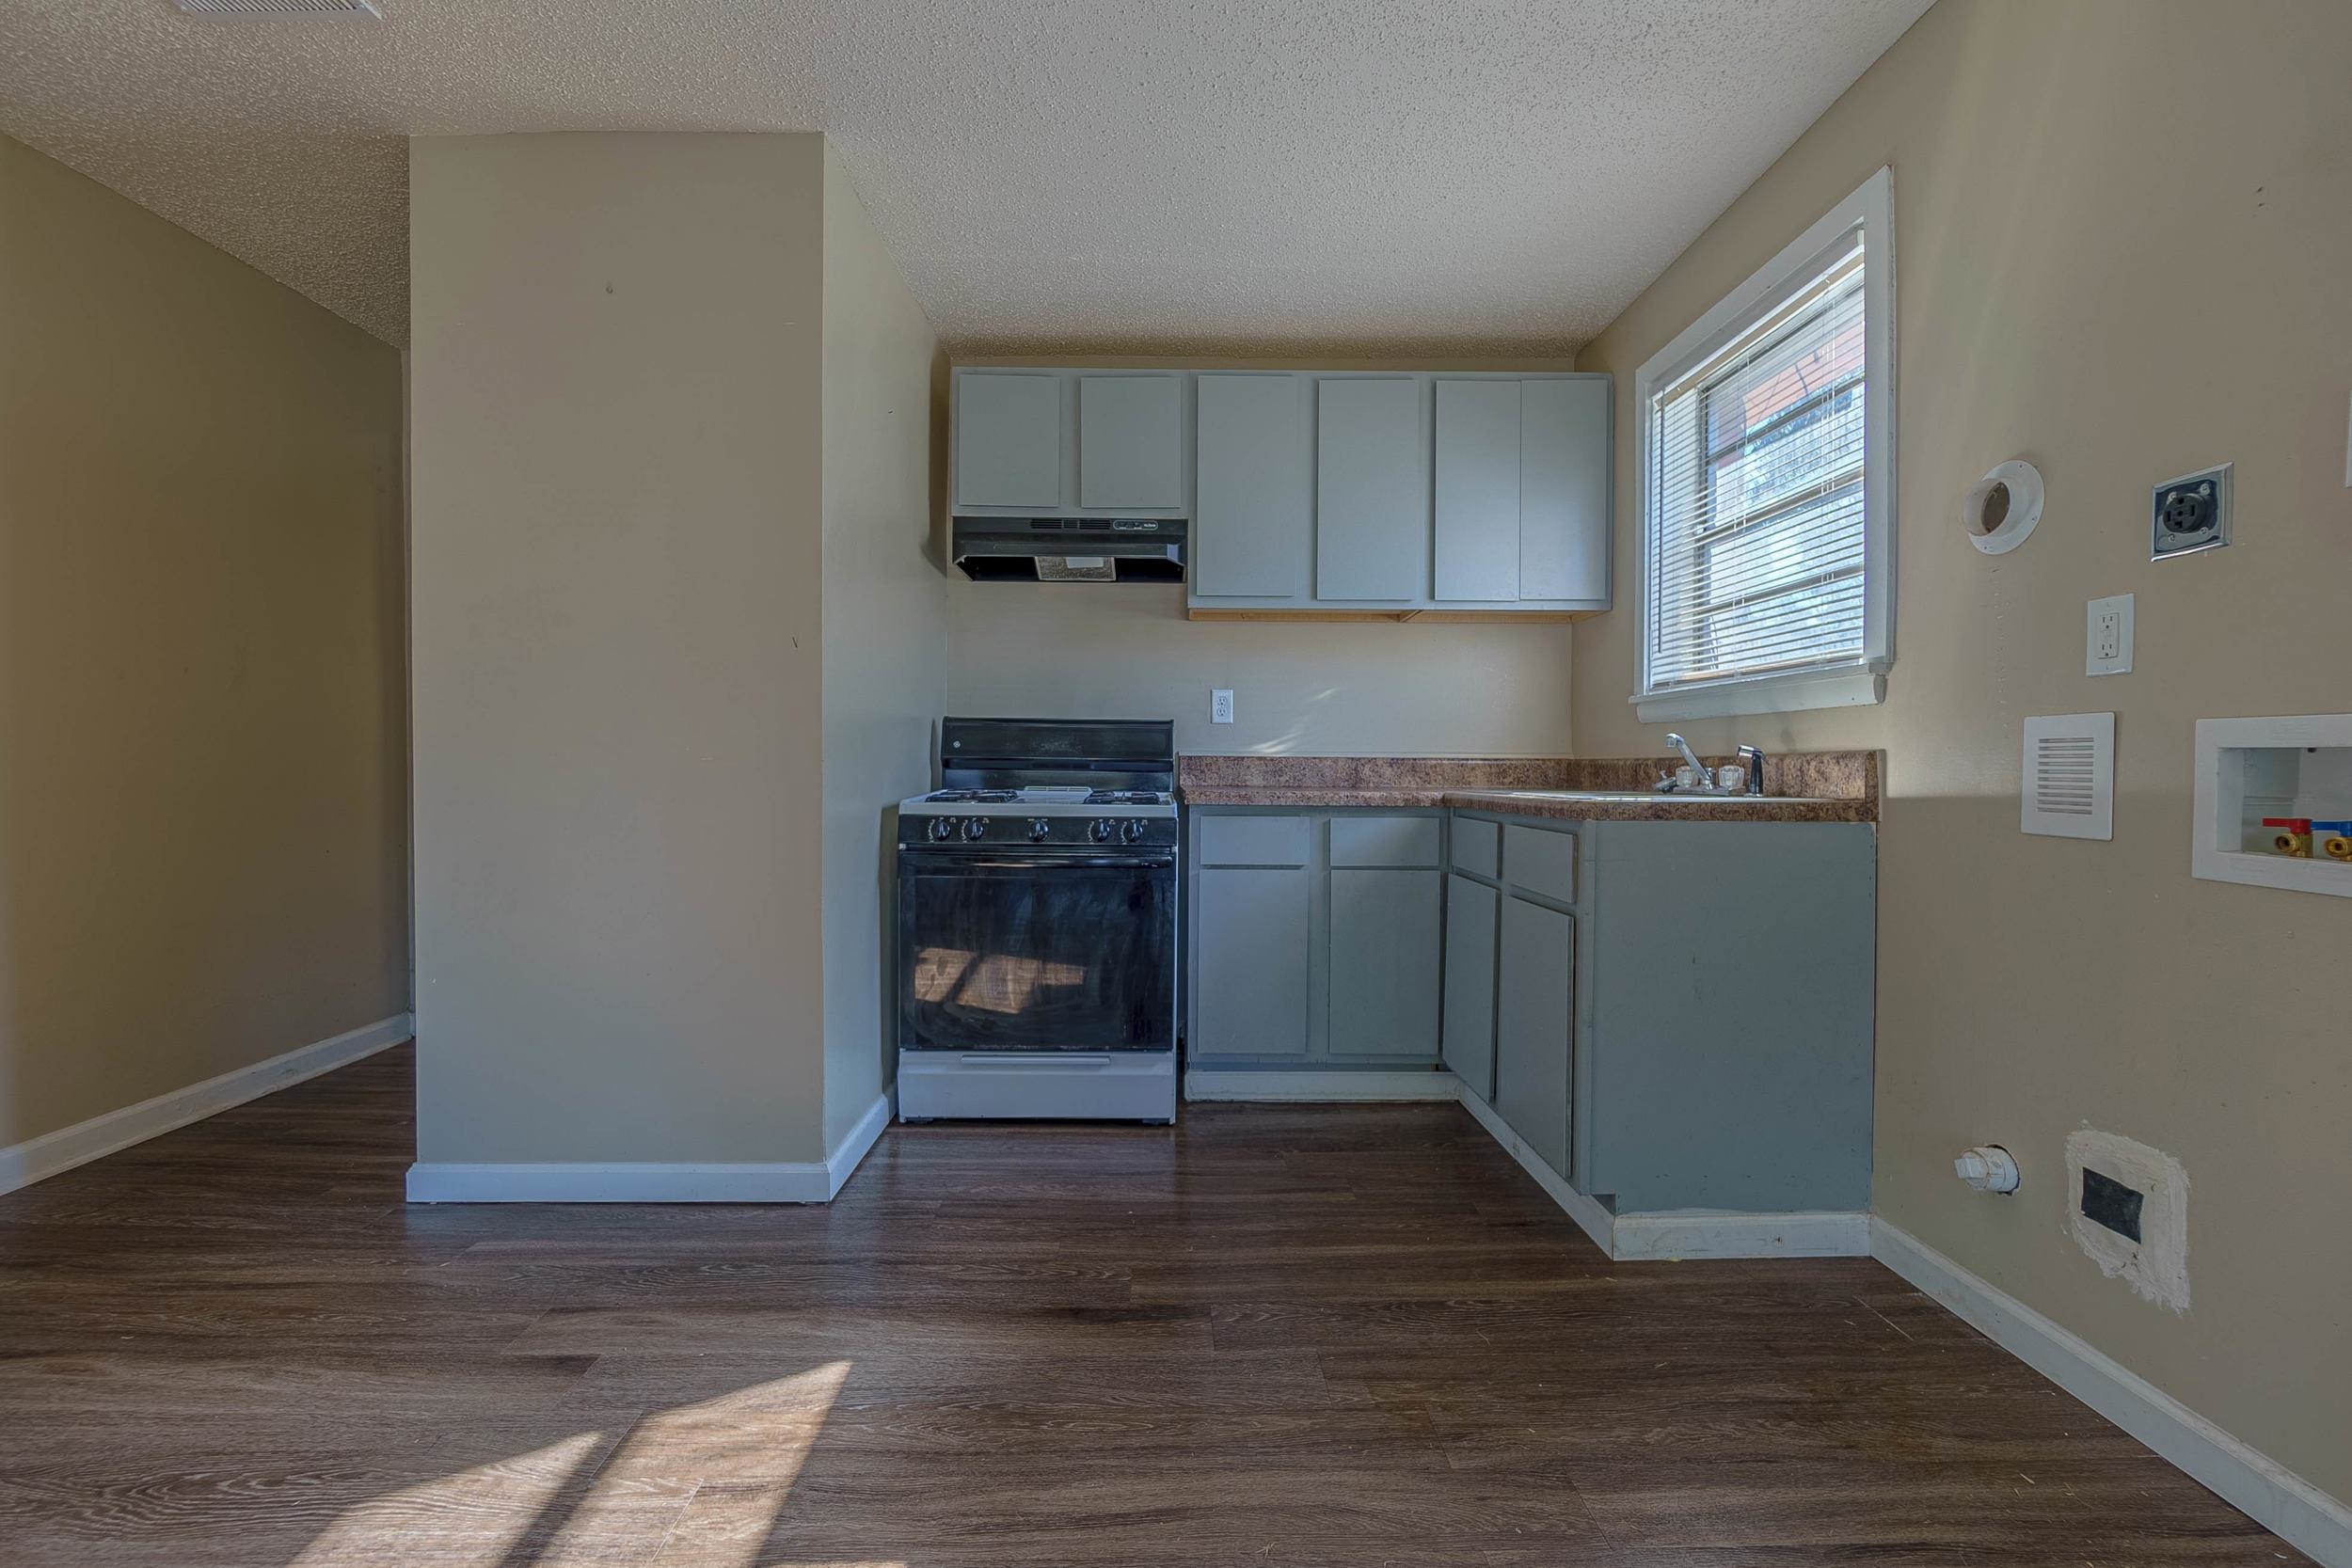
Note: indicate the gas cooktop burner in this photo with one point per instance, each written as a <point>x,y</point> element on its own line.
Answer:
<point>985,796</point>
<point>1126,798</point>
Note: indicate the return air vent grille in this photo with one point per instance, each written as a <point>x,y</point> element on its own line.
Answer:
<point>2070,776</point>
<point>278,7</point>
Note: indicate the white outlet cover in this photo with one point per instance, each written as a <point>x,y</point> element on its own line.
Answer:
<point>1220,704</point>
<point>2120,661</point>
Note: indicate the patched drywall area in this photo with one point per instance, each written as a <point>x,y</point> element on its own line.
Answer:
<point>2130,1214</point>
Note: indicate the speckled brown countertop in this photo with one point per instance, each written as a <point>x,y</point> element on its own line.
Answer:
<point>1802,786</point>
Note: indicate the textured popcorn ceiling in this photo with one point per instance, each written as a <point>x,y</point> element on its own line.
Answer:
<point>1180,176</point>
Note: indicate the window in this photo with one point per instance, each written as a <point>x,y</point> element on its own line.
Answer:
<point>1767,485</point>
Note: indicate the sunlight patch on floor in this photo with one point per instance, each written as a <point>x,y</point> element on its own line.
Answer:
<point>701,1483</point>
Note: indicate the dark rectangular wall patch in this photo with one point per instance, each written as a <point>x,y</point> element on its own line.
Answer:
<point>2112,1204</point>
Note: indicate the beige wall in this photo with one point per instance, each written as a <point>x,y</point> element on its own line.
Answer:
<point>1067,650</point>
<point>2122,284</point>
<point>1063,650</point>
<point>202,810</point>
<point>885,640</point>
<point>615,398</point>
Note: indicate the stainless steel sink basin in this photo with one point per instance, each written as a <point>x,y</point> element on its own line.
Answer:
<point>1649,796</point>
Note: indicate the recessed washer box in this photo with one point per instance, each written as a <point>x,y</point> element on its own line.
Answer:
<point>2250,769</point>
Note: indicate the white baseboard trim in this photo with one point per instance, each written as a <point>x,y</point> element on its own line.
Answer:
<point>1718,1234</point>
<point>25,1164</point>
<point>1629,1237</point>
<point>646,1181</point>
<point>855,1144</point>
<point>1288,1087</point>
<point>2266,1491</point>
<point>1589,1215</point>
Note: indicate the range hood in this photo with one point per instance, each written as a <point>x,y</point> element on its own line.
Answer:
<point>1070,550</point>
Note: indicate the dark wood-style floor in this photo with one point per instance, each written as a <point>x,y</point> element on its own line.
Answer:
<point>1311,1335</point>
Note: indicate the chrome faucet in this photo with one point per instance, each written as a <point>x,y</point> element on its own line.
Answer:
<point>1705,775</point>
<point>1706,780</point>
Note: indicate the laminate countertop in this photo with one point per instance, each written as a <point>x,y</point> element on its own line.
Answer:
<point>1804,786</point>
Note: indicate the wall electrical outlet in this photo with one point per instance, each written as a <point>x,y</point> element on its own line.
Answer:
<point>2108,636</point>
<point>1220,705</point>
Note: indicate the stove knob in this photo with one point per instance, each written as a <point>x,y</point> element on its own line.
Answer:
<point>938,829</point>
<point>1101,829</point>
<point>975,827</point>
<point>1131,831</point>
<point>1040,830</point>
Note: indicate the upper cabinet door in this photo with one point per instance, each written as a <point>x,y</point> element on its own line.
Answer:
<point>1564,489</point>
<point>1252,488</point>
<point>1371,489</point>
<point>1131,442</point>
<point>1478,547</point>
<point>1009,439</point>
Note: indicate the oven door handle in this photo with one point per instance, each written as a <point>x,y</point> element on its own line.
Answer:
<point>1031,1060</point>
<point>952,861</point>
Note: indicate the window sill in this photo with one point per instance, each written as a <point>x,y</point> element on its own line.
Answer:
<point>1765,694</point>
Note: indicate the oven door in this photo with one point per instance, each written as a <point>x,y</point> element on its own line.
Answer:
<point>1036,950</point>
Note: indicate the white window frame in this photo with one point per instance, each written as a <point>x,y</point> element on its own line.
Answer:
<point>1872,207</point>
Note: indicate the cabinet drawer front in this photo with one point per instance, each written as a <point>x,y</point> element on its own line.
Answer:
<point>1385,840</point>
<point>1255,841</point>
<point>1541,861</point>
<point>1478,847</point>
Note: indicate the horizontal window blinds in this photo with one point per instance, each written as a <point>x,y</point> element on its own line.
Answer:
<point>1755,545</point>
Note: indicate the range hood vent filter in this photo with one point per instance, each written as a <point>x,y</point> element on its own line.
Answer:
<point>1070,550</point>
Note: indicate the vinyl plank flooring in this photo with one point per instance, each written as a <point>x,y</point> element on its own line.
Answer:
<point>1303,1336</point>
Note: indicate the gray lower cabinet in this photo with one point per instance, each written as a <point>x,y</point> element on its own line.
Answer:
<point>1534,1021</point>
<point>1386,927</point>
<point>1253,953</point>
<point>1469,1029</point>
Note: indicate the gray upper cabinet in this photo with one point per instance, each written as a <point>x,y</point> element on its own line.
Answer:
<point>1478,545</point>
<point>1396,494</point>
<point>1534,1023</point>
<point>1131,442</point>
<point>1008,429</point>
<point>1563,490</point>
<point>1469,1030</point>
<point>1371,489</point>
<point>1253,488</point>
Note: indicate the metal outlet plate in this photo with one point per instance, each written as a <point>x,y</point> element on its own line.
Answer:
<point>2189,513</point>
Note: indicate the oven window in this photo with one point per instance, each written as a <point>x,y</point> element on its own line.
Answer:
<point>1064,958</point>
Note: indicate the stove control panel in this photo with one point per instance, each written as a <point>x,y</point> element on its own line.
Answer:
<point>1053,832</point>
